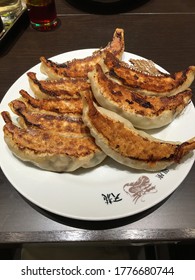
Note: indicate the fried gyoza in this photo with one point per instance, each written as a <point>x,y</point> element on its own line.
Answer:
<point>61,88</point>
<point>162,85</point>
<point>117,137</point>
<point>51,149</point>
<point>81,67</point>
<point>145,112</point>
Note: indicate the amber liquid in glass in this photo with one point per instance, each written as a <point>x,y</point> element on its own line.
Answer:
<point>42,16</point>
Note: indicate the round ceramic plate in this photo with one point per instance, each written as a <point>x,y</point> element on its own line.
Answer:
<point>106,192</point>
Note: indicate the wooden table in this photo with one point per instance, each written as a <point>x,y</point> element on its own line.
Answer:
<point>159,30</point>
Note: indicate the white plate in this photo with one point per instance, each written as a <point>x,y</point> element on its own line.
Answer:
<point>102,193</point>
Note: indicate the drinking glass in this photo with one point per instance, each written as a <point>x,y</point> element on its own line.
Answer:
<point>42,14</point>
<point>9,10</point>
<point>2,30</point>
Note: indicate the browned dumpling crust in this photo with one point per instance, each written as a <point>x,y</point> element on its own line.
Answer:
<point>68,124</point>
<point>81,67</point>
<point>63,106</point>
<point>134,148</point>
<point>61,88</point>
<point>54,143</point>
<point>145,112</point>
<point>164,85</point>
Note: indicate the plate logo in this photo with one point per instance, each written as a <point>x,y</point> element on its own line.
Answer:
<point>110,198</point>
<point>138,189</point>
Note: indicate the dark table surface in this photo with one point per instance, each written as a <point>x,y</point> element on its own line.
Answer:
<point>159,30</point>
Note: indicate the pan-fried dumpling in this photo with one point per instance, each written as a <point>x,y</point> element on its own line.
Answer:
<point>52,147</point>
<point>144,112</point>
<point>118,138</point>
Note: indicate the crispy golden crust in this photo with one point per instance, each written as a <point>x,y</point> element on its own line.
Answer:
<point>51,151</point>
<point>120,140</point>
<point>62,88</point>
<point>41,141</point>
<point>68,124</point>
<point>149,84</point>
<point>63,106</point>
<point>80,67</point>
<point>144,112</point>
